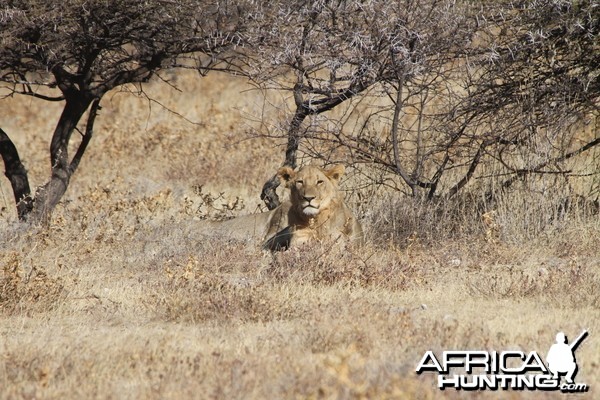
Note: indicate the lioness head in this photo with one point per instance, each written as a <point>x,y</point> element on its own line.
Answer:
<point>313,190</point>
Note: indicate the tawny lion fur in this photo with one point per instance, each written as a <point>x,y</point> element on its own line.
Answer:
<point>315,211</point>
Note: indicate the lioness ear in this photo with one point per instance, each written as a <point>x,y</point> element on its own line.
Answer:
<point>335,173</point>
<point>286,174</point>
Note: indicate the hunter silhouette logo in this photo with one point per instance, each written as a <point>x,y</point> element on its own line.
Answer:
<point>561,357</point>
<point>511,369</point>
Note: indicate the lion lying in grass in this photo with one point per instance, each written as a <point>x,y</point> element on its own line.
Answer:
<point>316,211</point>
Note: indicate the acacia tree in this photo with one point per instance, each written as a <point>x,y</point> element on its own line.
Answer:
<point>541,73</point>
<point>323,52</point>
<point>79,50</point>
<point>471,84</point>
<point>326,53</point>
<point>516,100</point>
<point>427,42</point>
<point>464,82</point>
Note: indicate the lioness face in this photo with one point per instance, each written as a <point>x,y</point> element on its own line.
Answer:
<point>312,188</point>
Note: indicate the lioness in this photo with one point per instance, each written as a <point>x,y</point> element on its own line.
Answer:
<point>316,209</point>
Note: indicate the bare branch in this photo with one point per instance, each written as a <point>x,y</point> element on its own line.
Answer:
<point>89,131</point>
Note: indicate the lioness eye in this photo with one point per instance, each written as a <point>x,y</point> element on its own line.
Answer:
<point>319,182</point>
<point>299,182</point>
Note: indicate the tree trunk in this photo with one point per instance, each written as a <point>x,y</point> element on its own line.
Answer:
<point>17,175</point>
<point>48,196</point>
<point>398,106</point>
<point>269,194</point>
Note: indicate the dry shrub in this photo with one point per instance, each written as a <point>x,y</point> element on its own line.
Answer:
<point>31,292</point>
<point>210,297</point>
<point>348,374</point>
<point>524,213</point>
<point>232,282</point>
<point>221,287</point>
<point>206,205</point>
<point>573,284</point>
<point>327,264</point>
<point>319,264</point>
<point>399,220</point>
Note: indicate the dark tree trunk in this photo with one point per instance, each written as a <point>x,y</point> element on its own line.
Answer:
<point>269,194</point>
<point>17,175</point>
<point>48,196</point>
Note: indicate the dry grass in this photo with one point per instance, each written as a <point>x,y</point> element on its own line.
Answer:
<point>119,299</point>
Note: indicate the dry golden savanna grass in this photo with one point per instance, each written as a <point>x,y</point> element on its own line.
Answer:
<point>118,298</point>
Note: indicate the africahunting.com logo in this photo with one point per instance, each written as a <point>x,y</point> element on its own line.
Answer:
<point>507,370</point>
